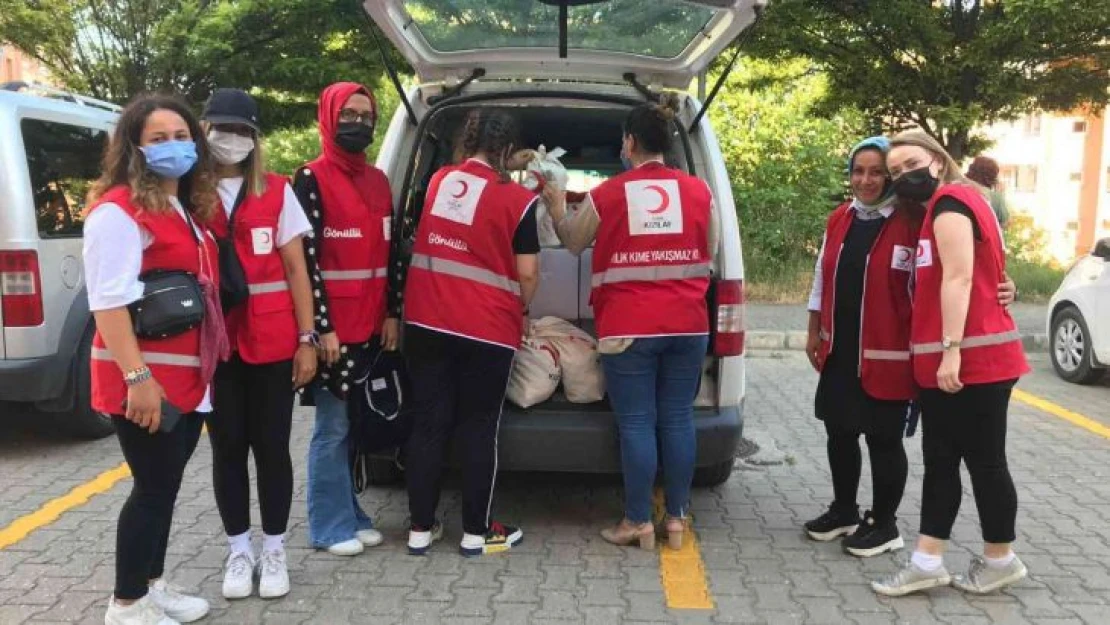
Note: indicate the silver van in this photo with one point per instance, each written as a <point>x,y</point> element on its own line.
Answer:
<point>570,72</point>
<point>50,148</point>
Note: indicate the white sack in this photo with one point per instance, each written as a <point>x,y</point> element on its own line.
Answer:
<point>545,166</point>
<point>535,374</point>
<point>583,380</point>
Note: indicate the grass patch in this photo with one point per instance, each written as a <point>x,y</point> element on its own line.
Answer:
<point>1036,282</point>
<point>778,282</point>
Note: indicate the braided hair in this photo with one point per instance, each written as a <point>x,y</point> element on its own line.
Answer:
<point>492,132</point>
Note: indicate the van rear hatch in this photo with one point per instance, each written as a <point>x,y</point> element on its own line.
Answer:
<point>663,42</point>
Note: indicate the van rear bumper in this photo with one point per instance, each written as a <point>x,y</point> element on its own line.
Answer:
<point>33,379</point>
<point>583,441</point>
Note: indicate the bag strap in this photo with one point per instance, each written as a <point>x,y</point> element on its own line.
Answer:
<point>235,208</point>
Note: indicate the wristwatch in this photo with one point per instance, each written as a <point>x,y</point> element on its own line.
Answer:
<point>310,338</point>
<point>947,343</point>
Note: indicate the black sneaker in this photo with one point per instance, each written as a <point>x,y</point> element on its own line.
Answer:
<point>832,525</point>
<point>499,538</point>
<point>873,538</point>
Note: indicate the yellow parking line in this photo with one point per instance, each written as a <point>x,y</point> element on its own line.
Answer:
<point>682,571</point>
<point>1086,423</point>
<point>53,509</point>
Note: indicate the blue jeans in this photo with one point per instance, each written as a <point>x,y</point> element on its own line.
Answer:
<point>652,386</point>
<point>333,512</point>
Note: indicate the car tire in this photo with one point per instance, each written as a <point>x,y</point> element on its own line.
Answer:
<point>714,475</point>
<point>82,421</point>
<point>1070,348</point>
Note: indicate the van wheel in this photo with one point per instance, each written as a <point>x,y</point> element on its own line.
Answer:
<point>1071,349</point>
<point>714,475</point>
<point>83,421</point>
<point>383,472</point>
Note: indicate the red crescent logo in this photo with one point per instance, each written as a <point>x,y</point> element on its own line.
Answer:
<point>663,196</point>
<point>920,250</point>
<point>266,234</point>
<point>904,255</point>
<point>465,189</point>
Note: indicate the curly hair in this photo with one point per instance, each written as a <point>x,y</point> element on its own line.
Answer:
<point>125,165</point>
<point>492,132</point>
<point>984,170</point>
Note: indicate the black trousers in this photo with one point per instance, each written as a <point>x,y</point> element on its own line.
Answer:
<point>157,464</point>
<point>889,466</point>
<point>253,413</point>
<point>968,426</point>
<point>458,387</point>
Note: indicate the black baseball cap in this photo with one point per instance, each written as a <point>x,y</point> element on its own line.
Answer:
<point>231,106</point>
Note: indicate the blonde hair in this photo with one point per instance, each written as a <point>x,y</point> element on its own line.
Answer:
<point>254,168</point>
<point>949,171</point>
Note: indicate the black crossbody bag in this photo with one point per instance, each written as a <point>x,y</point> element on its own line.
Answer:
<point>233,280</point>
<point>172,301</point>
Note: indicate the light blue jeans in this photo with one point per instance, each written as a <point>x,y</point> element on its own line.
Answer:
<point>652,385</point>
<point>333,512</point>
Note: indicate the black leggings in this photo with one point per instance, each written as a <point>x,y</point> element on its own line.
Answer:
<point>968,426</point>
<point>254,413</point>
<point>888,467</point>
<point>458,386</point>
<point>157,464</point>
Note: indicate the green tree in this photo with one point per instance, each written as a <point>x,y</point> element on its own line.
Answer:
<point>947,66</point>
<point>787,165</point>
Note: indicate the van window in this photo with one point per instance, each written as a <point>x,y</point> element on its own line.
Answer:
<point>63,160</point>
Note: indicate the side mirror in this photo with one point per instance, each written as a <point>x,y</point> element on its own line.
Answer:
<point>1102,249</point>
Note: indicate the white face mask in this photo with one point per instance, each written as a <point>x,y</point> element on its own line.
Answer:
<point>229,148</point>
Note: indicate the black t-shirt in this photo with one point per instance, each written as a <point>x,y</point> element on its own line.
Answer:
<point>526,240</point>
<point>949,204</point>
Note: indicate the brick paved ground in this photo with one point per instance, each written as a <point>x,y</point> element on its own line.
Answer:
<point>760,568</point>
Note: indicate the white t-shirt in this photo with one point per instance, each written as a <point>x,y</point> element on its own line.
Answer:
<point>113,253</point>
<point>292,222</point>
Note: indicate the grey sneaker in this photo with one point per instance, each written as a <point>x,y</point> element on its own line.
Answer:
<point>982,578</point>
<point>910,579</point>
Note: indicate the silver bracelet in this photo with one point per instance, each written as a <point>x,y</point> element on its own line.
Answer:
<point>136,377</point>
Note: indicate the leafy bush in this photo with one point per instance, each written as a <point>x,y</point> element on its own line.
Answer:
<point>1034,272</point>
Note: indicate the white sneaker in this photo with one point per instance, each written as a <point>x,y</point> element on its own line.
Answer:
<point>177,605</point>
<point>274,576</point>
<point>351,547</point>
<point>239,576</point>
<point>370,538</point>
<point>142,612</point>
<point>420,541</point>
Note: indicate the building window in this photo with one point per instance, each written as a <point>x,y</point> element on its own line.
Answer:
<point>1079,126</point>
<point>1108,179</point>
<point>58,159</point>
<point>1076,176</point>
<point>1026,179</point>
<point>1032,125</point>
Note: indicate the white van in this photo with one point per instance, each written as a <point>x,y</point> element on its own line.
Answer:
<point>570,71</point>
<point>50,148</point>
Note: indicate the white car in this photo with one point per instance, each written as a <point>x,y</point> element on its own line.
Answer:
<point>1079,319</point>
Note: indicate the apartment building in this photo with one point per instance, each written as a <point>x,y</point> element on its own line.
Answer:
<point>17,66</point>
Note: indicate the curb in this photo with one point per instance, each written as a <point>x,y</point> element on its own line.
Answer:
<point>763,340</point>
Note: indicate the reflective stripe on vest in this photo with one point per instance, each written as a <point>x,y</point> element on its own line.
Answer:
<point>984,340</point>
<point>268,287</point>
<point>886,354</point>
<point>152,358</point>
<point>355,274</point>
<point>650,273</point>
<point>466,272</point>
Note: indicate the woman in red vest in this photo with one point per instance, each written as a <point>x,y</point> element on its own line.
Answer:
<point>655,234</point>
<point>146,215</point>
<point>473,271</point>
<point>349,205</point>
<point>967,356</point>
<point>859,340</point>
<point>271,330</point>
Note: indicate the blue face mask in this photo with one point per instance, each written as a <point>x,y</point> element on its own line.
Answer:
<point>170,159</point>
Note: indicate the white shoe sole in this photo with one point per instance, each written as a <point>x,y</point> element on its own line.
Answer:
<point>235,593</point>
<point>369,540</point>
<point>345,551</point>
<point>825,537</point>
<point>273,594</point>
<point>902,591</point>
<point>419,550</point>
<point>890,545</point>
<point>1009,580</point>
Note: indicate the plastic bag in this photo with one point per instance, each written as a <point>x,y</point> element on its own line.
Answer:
<point>583,380</point>
<point>535,374</point>
<point>542,170</point>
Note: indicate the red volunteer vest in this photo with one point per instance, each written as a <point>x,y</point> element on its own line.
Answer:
<point>175,362</point>
<point>884,351</point>
<point>991,347</point>
<point>651,257</point>
<point>354,258</point>
<point>262,329</point>
<point>463,277</point>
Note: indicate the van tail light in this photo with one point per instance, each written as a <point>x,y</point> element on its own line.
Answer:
<point>729,337</point>
<point>20,289</point>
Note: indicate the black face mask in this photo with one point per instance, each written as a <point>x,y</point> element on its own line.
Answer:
<point>354,137</point>
<point>918,185</point>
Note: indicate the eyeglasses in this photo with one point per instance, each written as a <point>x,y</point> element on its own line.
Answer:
<point>350,115</point>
